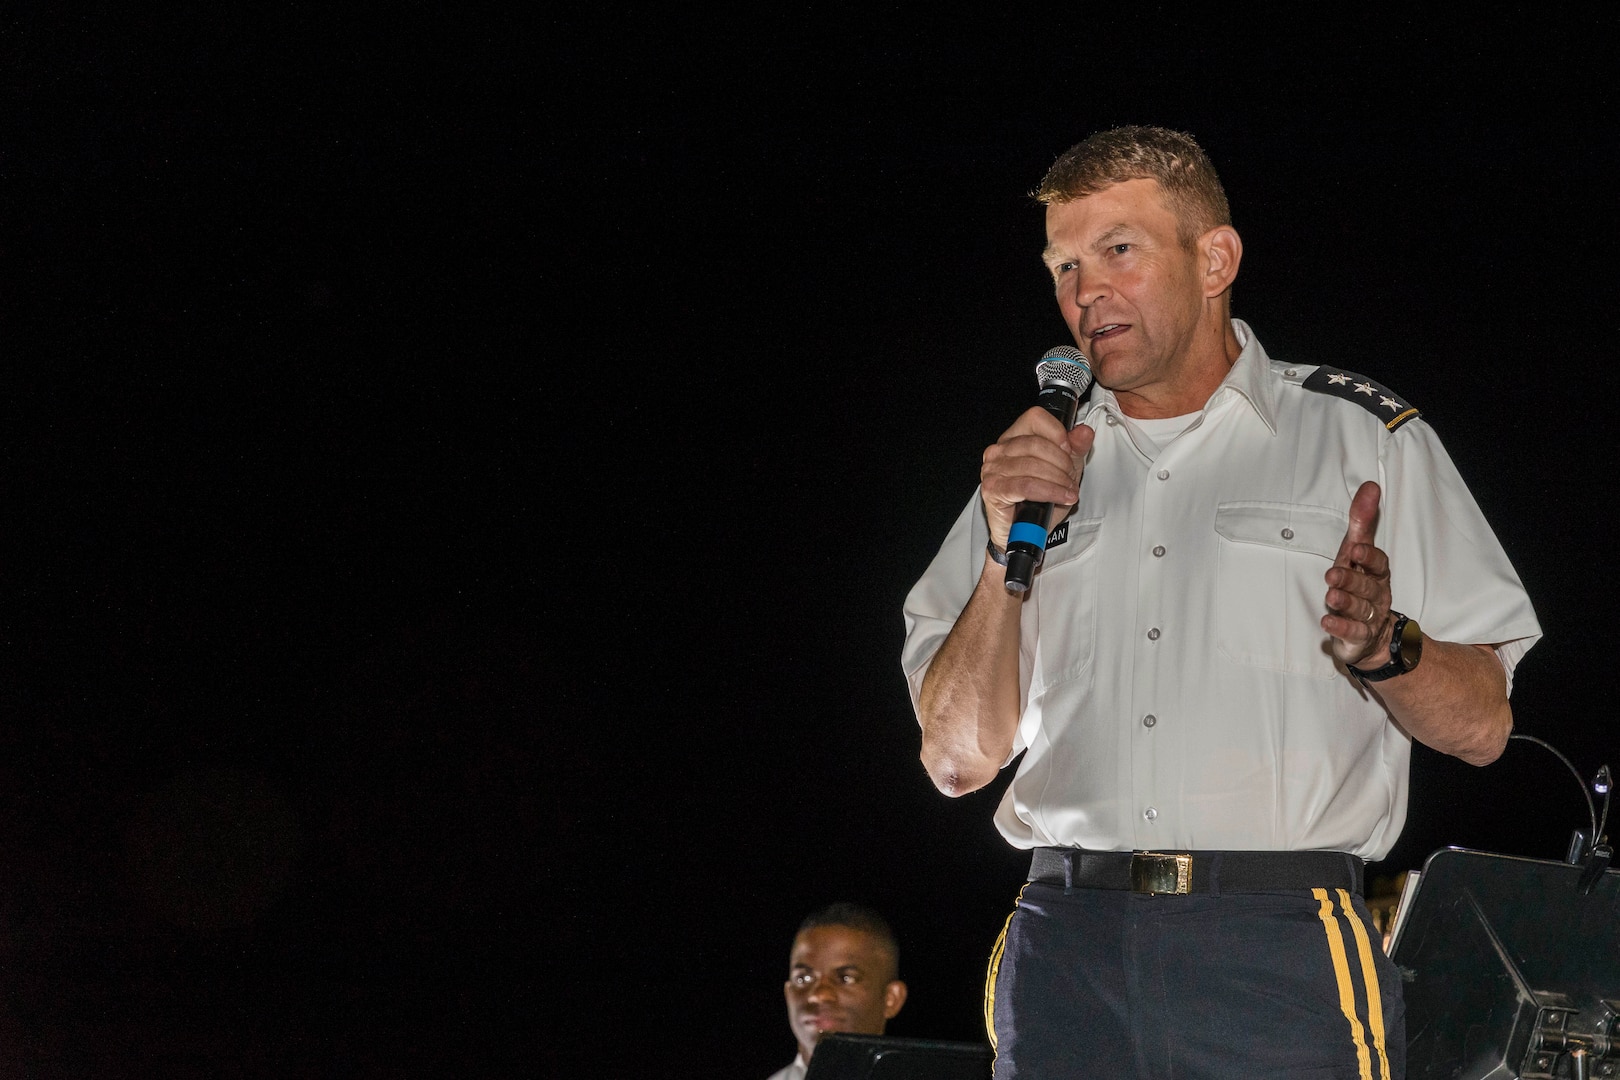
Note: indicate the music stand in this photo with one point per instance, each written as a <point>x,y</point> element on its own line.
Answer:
<point>1510,970</point>
<point>841,1056</point>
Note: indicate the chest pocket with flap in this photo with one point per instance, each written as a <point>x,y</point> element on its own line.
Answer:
<point>1270,589</point>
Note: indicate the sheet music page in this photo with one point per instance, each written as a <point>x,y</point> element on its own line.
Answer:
<point>1409,888</point>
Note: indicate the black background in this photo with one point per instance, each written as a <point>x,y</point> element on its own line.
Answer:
<point>462,471</point>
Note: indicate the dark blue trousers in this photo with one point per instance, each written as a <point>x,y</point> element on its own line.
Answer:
<point>1103,983</point>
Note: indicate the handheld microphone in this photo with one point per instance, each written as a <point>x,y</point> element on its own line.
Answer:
<point>1064,375</point>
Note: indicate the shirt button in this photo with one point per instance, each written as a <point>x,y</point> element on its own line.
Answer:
<point>1111,421</point>
<point>1288,534</point>
<point>1164,474</point>
<point>1149,720</point>
<point>1291,372</point>
<point>1158,552</point>
<point>1151,813</point>
<point>1153,634</point>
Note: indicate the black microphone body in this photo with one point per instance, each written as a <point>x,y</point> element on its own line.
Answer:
<point>1064,376</point>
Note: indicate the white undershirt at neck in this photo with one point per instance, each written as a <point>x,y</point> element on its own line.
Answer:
<point>1157,434</point>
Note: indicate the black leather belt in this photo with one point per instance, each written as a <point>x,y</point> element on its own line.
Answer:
<point>1183,872</point>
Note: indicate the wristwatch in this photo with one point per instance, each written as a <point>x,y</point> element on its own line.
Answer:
<point>1405,650</point>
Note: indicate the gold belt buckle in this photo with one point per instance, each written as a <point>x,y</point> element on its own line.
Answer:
<point>1153,872</point>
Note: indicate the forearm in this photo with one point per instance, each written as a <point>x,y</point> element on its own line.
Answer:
<point>968,704</point>
<point>1455,701</point>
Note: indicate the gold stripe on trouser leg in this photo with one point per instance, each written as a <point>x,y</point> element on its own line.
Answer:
<point>1369,976</point>
<point>991,972</point>
<point>990,983</point>
<point>1341,972</point>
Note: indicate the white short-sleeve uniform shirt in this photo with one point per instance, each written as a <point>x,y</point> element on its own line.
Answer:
<point>1177,689</point>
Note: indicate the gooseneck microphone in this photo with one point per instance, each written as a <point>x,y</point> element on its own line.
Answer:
<point>1064,376</point>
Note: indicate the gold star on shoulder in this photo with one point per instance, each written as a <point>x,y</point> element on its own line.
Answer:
<point>1364,388</point>
<point>1339,379</point>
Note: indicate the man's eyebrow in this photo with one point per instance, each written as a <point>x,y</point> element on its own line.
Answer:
<point>1113,234</point>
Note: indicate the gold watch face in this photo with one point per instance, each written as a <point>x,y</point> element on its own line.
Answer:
<point>1411,645</point>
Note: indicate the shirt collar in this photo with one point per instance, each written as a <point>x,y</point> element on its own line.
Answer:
<point>1249,379</point>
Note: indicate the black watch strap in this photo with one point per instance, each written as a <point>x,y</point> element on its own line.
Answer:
<point>1405,650</point>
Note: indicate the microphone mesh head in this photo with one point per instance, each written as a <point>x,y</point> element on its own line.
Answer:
<point>1064,365</point>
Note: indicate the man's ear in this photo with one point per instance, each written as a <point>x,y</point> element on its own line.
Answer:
<point>1222,250</point>
<point>894,996</point>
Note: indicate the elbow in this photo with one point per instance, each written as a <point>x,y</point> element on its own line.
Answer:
<point>964,743</point>
<point>953,781</point>
<point>952,775</point>
<point>1492,740</point>
<point>1482,758</point>
<point>1492,734</point>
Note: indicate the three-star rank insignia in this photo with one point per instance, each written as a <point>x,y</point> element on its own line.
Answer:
<point>1381,401</point>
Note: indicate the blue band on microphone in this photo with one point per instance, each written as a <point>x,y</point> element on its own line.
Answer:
<point>1027,532</point>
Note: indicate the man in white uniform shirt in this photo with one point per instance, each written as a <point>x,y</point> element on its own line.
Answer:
<point>1269,580</point>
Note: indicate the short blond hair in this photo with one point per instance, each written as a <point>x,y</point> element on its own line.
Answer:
<point>1173,158</point>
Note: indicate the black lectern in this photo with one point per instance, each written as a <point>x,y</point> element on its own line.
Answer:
<point>841,1056</point>
<point>1511,970</point>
